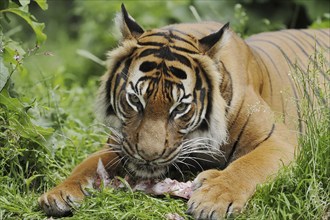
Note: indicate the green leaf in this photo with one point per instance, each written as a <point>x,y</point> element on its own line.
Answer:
<point>24,2</point>
<point>42,4</point>
<point>29,180</point>
<point>4,74</point>
<point>37,27</point>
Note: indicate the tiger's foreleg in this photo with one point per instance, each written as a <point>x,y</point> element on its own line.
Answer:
<point>220,193</point>
<point>60,200</point>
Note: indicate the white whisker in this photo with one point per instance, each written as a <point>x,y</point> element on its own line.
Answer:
<point>178,168</point>
<point>184,163</point>
<point>201,145</point>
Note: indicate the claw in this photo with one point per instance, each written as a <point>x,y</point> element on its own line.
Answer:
<point>197,184</point>
<point>189,211</point>
<point>229,210</point>
<point>212,213</point>
<point>201,214</point>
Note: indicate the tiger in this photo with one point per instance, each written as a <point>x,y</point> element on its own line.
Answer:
<point>197,97</point>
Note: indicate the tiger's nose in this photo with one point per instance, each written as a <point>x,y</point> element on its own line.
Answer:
<point>151,139</point>
<point>149,153</point>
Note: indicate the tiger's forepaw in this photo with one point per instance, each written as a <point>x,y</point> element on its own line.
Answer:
<point>218,194</point>
<point>62,199</point>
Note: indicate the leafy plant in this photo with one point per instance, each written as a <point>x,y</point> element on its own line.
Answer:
<point>12,53</point>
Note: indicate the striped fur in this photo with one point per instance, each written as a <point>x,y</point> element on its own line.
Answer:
<point>196,96</point>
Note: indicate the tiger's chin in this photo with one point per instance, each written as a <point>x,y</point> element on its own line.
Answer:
<point>146,171</point>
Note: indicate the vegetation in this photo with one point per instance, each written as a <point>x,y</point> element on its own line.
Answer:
<point>48,89</point>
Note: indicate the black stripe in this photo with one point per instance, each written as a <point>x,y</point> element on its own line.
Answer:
<point>170,28</point>
<point>147,52</point>
<point>184,49</point>
<point>198,88</point>
<point>327,35</point>
<point>169,36</point>
<point>108,86</point>
<point>296,37</point>
<point>162,34</point>
<point>198,84</point>
<point>120,76</point>
<point>184,40</point>
<point>134,88</point>
<point>172,35</point>
<point>301,40</point>
<point>148,66</point>
<point>177,57</point>
<point>204,125</point>
<point>209,96</point>
<point>128,151</point>
<point>145,78</point>
<point>295,42</point>
<point>167,54</point>
<point>233,149</point>
<point>170,157</point>
<point>266,138</point>
<point>150,43</point>
<point>268,75</point>
<point>324,31</point>
<point>110,110</point>
<point>231,87</point>
<point>314,39</point>
<point>82,190</point>
<point>237,115</point>
<point>177,72</point>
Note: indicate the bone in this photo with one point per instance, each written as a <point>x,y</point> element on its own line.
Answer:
<point>102,176</point>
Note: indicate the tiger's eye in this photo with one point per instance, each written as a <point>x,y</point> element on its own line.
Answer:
<point>134,99</point>
<point>181,107</point>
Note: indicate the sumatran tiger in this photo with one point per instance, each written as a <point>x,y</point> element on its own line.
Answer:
<point>197,97</point>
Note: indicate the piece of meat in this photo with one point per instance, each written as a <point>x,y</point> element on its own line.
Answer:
<point>154,187</point>
<point>166,186</point>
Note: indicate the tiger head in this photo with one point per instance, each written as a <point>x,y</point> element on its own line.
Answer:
<point>161,92</point>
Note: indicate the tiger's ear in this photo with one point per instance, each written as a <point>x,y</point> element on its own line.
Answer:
<point>207,42</point>
<point>128,27</point>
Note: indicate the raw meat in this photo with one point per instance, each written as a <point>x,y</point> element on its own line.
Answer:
<point>154,187</point>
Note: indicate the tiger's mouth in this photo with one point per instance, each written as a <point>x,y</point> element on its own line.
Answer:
<point>146,170</point>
